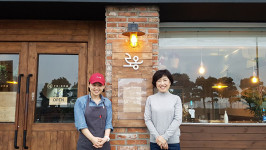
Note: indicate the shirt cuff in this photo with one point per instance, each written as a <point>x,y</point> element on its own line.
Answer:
<point>82,127</point>
<point>109,127</point>
<point>166,137</point>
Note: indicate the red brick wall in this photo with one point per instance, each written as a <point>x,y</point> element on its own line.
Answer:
<point>117,19</point>
<point>130,139</point>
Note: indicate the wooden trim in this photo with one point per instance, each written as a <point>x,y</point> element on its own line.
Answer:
<point>90,53</point>
<point>7,126</point>
<point>53,127</point>
<point>82,74</point>
<point>10,47</point>
<point>44,30</point>
<point>222,137</point>
<point>96,48</point>
<point>59,48</point>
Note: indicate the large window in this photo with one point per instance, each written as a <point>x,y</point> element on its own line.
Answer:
<point>216,70</point>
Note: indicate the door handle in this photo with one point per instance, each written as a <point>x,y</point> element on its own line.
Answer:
<point>28,83</point>
<point>17,112</point>
<point>24,139</point>
<point>26,112</point>
<point>15,140</point>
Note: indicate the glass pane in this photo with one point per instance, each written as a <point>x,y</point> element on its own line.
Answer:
<point>230,60</point>
<point>57,88</point>
<point>8,86</point>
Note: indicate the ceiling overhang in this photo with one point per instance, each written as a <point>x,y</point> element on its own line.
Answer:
<point>170,10</point>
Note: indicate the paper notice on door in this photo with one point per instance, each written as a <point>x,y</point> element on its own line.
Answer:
<point>58,101</point>
<point>7,106</point>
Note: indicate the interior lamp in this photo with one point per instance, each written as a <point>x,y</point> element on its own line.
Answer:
<point>219,86</point>
<point>133,34</point>
<point>254,79</point>
<point>12,82</point>
<point>201,69</point>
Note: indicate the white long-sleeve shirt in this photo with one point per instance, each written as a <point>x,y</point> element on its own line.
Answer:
<point>163,116</point>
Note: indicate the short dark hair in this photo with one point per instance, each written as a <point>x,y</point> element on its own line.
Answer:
<point>160,73</point>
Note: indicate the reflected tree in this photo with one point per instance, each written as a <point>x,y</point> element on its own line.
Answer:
<point>53,113</point>
<point>230,91</point>
<point>184,88</point>
<point>205,90</point>
<point>253,93</point>
<point>187,86</point>
<point>3,74</point>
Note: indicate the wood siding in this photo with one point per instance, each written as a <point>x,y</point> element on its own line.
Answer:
<point>61,140</point>
<point>221,137</point>
<point>7,140</point>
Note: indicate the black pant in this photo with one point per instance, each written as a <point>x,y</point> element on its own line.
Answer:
<point>175,146</point>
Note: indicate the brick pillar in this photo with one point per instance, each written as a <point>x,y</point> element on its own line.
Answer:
<point>117,19</point>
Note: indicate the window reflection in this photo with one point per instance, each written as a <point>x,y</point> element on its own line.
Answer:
<point>57,88</point>
<point>230,61</point>
<point>8,86</point>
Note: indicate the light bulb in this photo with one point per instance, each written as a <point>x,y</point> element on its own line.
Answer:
<point>254,79</point>
<point>201,69</point>
<point>133,40</point>
<point>12,82</point>
<point>219,86</point>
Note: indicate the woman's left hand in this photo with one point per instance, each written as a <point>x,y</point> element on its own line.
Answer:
<point>165,146</point>
<point>103,140</point>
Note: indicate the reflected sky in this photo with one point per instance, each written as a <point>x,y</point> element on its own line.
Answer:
<point>222,56</point>
<point>55,66</point>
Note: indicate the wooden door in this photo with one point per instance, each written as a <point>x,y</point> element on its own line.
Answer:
<point>13,69</point>
<point>54,75</point>
<point>58,78</point>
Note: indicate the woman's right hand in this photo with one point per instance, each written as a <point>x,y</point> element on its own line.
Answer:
<point>161,142</point>
<point>96,141</point>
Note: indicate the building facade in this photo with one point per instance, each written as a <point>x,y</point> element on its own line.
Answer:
<point>49,50</point>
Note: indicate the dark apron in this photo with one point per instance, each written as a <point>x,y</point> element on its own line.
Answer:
<point>95,119</point>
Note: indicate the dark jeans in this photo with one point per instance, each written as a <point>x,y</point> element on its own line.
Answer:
<point>175,146</point>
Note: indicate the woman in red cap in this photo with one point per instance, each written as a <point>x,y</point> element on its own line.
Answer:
<point>93,116</point>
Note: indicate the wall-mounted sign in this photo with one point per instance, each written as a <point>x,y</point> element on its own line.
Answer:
<point>58,101</point>
<point>131,98</point>
<point>135,64</point>
<point>49,86</point>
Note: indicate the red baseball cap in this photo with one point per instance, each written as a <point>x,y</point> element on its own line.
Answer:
<point>97,77</point>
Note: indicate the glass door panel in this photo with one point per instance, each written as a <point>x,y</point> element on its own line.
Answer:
<point>57,88</point>
<point>52,76</point>
<point>9,64</point>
